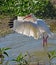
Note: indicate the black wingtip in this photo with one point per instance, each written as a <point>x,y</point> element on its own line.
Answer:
<point>10,24</point>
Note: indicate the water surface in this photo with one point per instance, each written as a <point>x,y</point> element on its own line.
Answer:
<point>21,43</point>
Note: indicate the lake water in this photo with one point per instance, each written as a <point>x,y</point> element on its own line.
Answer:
<point>21,43</point>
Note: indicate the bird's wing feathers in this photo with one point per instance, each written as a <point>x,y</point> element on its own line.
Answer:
<point>30,28</point>
<point>26,28</point>
<point>43,26</point>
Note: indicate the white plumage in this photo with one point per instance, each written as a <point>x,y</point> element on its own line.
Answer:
<point>29,28</point>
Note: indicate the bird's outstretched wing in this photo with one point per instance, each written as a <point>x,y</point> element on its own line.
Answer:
<point>43,27</point>
<point>26,28</point>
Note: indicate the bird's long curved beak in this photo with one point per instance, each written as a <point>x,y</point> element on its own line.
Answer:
<point>28,16</point>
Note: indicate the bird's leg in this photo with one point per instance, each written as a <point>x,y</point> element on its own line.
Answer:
<point>43,41</point>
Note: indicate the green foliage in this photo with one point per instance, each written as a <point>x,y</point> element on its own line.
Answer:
<point>51,54</point>
<point>46,9</point>
<point>3,51</point>
<point>41,8</point>
<point>21,60</point>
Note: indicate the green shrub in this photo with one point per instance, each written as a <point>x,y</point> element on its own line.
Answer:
<point>21,60</point>
<point>41,8</point>
<point>2,53</point>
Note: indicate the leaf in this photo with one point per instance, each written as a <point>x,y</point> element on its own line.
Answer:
<point>20,57</point>
<point>7,48</point>
<point>3,49</point>
<point>6,53</point>
<point>49,55</point>
<point>52,52</point>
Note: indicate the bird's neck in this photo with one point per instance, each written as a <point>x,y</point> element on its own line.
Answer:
<point>35,19</point>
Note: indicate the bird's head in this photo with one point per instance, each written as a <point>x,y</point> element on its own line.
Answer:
<point>28,16</point>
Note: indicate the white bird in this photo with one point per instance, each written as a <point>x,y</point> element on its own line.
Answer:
<point>29,28</point>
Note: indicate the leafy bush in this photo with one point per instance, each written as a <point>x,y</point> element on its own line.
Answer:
<point>51,54</point>
<point>21,60</point>
<point>2,53</point>
<point>41,8</point>
<point>46,9</point>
